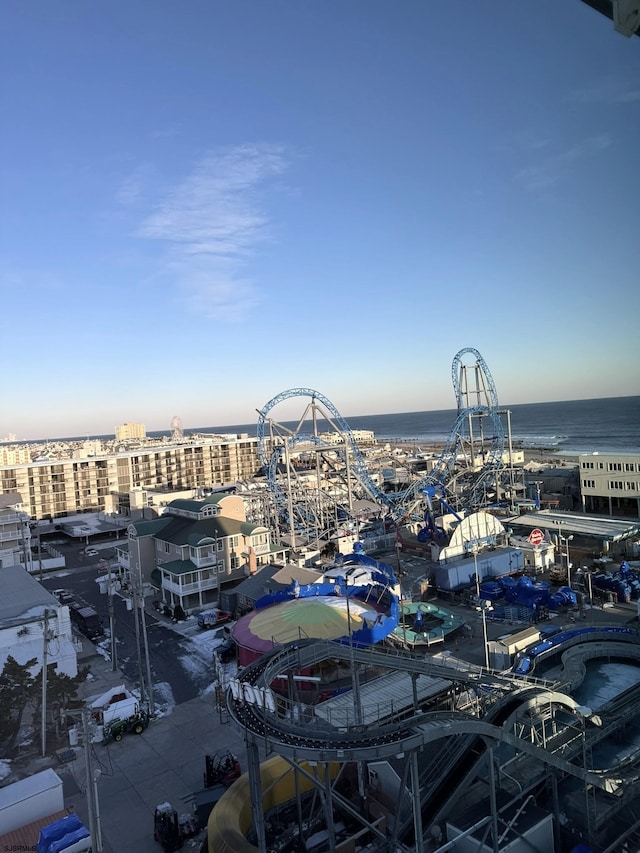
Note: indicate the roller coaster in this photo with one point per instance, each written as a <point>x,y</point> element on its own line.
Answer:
<point>316,499</point>
<point>517,732</point>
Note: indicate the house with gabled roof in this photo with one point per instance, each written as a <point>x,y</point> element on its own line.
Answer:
<point>195,548</point>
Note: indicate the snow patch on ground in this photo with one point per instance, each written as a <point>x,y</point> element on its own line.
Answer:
<point>163,699</point>
<point>199,662</point>
<point>5,768</point>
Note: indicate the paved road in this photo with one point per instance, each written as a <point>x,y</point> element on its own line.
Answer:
<point>181,659</point>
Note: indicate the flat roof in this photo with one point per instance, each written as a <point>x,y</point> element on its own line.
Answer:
<point>588,526</point>
<point>28,787</point>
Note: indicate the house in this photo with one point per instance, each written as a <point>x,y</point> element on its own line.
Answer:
<point>194,548</point>
<point>27,613</point>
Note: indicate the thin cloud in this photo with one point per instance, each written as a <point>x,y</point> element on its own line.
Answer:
<point>608,90</point>
<point>131,189</point>
<point>212,222</point>
<point>551,169</point>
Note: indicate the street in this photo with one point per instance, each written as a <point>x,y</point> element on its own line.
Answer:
<point>181,656</point>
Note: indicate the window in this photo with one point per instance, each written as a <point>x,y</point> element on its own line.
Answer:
<point>589,484</point>
<point>616,484</point>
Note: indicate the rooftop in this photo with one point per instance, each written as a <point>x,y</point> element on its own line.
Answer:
<point>23,599</point>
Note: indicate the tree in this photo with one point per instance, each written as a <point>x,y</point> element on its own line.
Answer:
<point>17,689</point>
<point>62,693</point>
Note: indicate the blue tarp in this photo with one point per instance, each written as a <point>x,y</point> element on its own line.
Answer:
<point>66,831</point>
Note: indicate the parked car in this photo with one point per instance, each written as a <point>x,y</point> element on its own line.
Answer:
<point>90,552</point>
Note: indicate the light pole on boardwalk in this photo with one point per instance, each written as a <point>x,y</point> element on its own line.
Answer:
<point>481,603</point>
<point>568,539</point>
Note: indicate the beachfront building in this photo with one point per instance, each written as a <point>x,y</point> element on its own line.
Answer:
<point>54,488</point>
<point>610,483</point>
<point>129,432</point>
<point>195,548</point>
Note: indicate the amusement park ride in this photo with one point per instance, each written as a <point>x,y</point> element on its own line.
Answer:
<point>371,740</point>
<point>313,501</point>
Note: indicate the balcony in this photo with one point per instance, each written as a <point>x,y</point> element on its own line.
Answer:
<point>187,588</point>
<point>205,561</point>
<point>12,536</point>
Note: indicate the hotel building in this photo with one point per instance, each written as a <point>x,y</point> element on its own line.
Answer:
<point>56,488</point>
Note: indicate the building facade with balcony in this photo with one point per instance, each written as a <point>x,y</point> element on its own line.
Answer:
<point>56,488</point>
<point>194,549</point>
<point>15,533</point>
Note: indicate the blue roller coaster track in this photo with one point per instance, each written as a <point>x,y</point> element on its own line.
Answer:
<point>478,424</point>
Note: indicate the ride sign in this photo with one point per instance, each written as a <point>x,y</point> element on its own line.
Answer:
<point>536,537</point>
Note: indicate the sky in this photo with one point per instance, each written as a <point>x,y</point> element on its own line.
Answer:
<point>205,204</point>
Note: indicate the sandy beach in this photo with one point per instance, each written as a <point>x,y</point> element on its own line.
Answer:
<point>545,456</point>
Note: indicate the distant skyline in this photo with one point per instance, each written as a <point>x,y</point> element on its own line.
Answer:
<point>202,206</point>
<point>281,415</point>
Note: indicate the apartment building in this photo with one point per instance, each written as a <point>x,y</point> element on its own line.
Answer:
<point>18,455</point>
<point>610,483</point>
<point>56,488</point>
<point>129,432</point>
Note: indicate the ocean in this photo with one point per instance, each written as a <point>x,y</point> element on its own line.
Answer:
<point>610,425</point>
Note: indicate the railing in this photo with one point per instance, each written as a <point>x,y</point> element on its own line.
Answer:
<point>14,518</point>
<point>12,536</point>
<point>186,588</point>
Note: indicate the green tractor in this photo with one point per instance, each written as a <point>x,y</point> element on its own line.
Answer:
<point>118,728</point>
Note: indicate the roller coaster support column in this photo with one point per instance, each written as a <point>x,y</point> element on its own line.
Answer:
<point>417,807</point>
<point>492,799</point>
<point>328,796</point>
<point>255,787</point>
<point>292,532</point>
<point>355,685</point>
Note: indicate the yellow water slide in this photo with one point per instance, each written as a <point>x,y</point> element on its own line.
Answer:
<point>230,819</point>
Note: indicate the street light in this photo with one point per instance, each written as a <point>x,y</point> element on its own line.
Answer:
<point>474,551</point>
<point>567,540</point>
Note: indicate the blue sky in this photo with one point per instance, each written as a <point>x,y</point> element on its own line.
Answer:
<point>204,204</point>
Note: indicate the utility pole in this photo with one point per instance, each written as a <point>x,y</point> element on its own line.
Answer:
<point>151,704</point>
<point>136,620</point>
<point>91,786</point>
<point>112,625</point>
<point>43,718</point>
